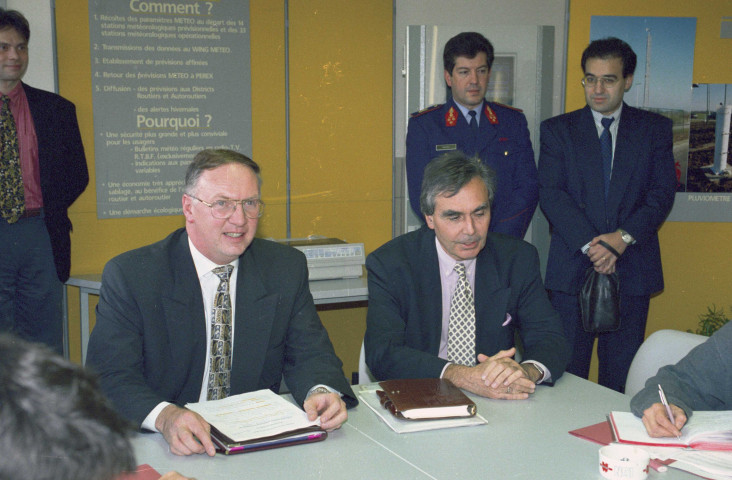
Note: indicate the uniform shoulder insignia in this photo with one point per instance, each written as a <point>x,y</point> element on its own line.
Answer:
<point>427,110</point>
<point>508,106</point>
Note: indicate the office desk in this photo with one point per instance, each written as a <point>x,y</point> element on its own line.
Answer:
<point>345,292</point>
<point>524,440</point>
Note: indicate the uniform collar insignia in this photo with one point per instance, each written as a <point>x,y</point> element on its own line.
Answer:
<point>491,115</point>
<point>451,117</point>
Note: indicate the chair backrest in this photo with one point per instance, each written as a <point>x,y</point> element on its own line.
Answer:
<point>664,347</point>
<point>364,374</point>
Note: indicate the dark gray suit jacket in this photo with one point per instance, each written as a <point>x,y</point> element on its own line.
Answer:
<point>62,164</point>
<point>404,319</point>
<point>149,343</point>
<point>702,380</point>
<point>572,195</point>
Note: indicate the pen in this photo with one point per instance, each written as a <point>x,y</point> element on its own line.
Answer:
<point>665,404</point>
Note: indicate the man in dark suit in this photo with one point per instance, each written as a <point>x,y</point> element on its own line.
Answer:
<point>43,155</point>
<point>165,336</point>
<point>421,285</point>
<point>496,133</point>
<point>620,198</point>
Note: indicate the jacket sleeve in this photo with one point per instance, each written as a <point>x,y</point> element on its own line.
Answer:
<point>702,380</point>
<point>390,316</point>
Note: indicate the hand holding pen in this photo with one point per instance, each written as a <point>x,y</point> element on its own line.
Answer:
<point>663,419</point>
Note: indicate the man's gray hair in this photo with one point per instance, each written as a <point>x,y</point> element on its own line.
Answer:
<point>448,173</point>
<point>210,159</point>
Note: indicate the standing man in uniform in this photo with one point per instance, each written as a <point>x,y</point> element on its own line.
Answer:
<point>606,174</point>
<point>42,172</point>
<point>496,133</point>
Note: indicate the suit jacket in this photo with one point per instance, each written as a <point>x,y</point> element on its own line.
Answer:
<point>642,189</point>
<point>62,165</point>
<point>502,143</point>
<point>149,342</point>
<point>702,380</point>
<point>404,317</point>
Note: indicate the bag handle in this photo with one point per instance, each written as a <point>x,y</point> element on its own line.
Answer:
<point>609,248</point>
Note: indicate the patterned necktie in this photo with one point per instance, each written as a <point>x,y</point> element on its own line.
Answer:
<point>461,332</point>
<point>12,198</point>
<point>473,123</point>
<point>606,148</point>
<point>219,381</point>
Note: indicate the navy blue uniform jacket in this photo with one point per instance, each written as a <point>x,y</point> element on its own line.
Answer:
<point>502,142</point>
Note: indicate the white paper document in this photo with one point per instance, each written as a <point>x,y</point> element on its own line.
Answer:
<point>252,415</point>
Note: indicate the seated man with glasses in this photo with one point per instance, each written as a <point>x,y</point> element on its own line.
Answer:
<point>211,311</point>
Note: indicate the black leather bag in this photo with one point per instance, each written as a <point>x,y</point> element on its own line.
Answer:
<point>600,302</point>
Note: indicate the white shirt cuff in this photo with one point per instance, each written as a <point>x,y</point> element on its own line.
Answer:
<point>152,417</point>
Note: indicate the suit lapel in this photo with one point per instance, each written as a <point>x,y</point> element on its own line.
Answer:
<point>491,301</point>
<point>589,164</point>
<point>428,284</point>
<point>623,160</point>
<point>255,311</point>
<point>184,313</point>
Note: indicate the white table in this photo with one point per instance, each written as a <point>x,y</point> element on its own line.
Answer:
<point>524,440</point>
<point>346,292</point>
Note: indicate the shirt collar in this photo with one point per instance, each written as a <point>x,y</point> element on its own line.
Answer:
<point>464,110</point>
<point>599,116</point>
<point>16,93</point>
<point>447,263</point>
<point>204,265</point>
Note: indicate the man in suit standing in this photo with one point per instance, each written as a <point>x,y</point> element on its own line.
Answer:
<point>606,174</point>
<point>496,133</point>
<point>42,172</point>
<point>446,300</point>
<point>211,311</point>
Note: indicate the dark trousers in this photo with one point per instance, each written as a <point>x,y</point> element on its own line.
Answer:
<point>615,350</point>
<point>30,291</point>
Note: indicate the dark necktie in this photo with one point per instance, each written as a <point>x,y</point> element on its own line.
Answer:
<point>219,374</point>
<point>473,123</point>
<point>461,330</point>
<point>12,198</point>
<point>606,147</point>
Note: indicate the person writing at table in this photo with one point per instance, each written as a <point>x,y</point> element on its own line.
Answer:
<point>446,300</point>
<point>702,380</point>
<point>211,311</point>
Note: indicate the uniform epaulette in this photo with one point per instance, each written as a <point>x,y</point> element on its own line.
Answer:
<point>508,106</point>
<point>427,110</point>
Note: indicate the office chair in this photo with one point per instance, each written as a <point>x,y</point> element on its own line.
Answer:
<point>364,374</point>
<point>664,347</point>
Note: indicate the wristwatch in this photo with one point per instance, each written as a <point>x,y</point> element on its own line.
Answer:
<point>319,390</point>
<point>627,238</point>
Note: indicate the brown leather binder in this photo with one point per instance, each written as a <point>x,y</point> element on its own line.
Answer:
<point>425,399</point>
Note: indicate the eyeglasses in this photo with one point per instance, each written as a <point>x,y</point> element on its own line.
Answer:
<point>591,81</point>
<point>223,209</point>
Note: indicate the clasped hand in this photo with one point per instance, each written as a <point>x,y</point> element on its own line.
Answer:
<point>602,259</point>
<point>499,376</point>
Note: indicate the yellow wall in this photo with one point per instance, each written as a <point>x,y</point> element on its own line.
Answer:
<point>340,125</point>
<point>695,256</point>
<point>341,143</point>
